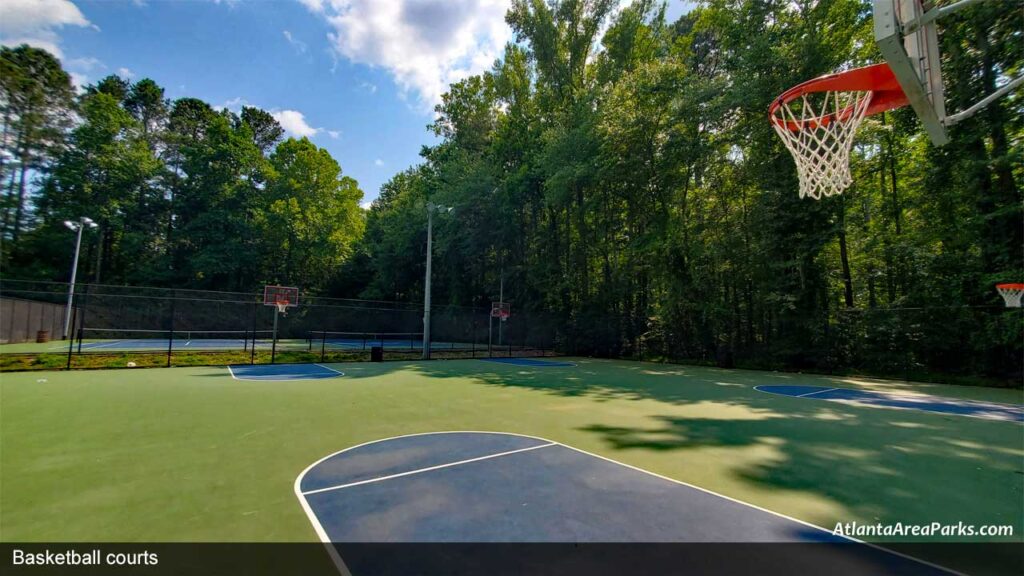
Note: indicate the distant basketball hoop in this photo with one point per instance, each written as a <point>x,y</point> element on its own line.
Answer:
<point>501,310</point>
<point>282,297</point>
<point>1011,293</point>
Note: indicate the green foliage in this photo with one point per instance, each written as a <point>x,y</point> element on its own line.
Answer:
<point>184,195</point>
<point>36,105</point>
<point>639,192</point>
<point>313,217</point>
<point>627,182</point>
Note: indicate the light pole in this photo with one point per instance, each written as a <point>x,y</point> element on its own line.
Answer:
<point>76,227</point>
<point>431,208</point>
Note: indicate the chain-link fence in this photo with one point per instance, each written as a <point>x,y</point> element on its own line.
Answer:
<point>158,326</point>
<point>946,343</point>
<point>119,325</point>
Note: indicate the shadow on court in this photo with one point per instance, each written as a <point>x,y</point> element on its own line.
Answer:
<point>880,464</point>
<point>489,488</point>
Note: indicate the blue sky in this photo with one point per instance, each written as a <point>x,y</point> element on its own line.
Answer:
<point>358,77</point>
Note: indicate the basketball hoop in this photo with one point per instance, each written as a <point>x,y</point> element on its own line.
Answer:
<point>818,119</point>
<point>282,307</point>
<point>501,310</point>
<point>1011,294</point>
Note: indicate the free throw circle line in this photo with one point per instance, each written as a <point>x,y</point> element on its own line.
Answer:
<point>815,392</point>
<point>427,469</point>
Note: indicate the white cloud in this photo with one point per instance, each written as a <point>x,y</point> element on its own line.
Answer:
<point>294,123</point>
<point>299,45</point>
<point>365,204</point>
<point>315,6</point>
<point>378,162</point>
<point>368,86</point>
<point>84,64</point>
<point>235,104</point>
<point>424,44</point>
<point>35,22</point>
<point>79,81</point>
<point>334,134</point>
<point>125,73</point>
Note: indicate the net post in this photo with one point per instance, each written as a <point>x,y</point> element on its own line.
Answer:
<point>323,345</point>
<point>71,343</point>
<point>170,335</point>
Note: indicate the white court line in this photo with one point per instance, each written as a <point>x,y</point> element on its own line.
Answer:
<point>319,529</point>
<point>995,409</point>
<point>329,368</point>
<point>815,392</point>
<point>338,372</point>
<point>428,469</point>
<point>94,345</point>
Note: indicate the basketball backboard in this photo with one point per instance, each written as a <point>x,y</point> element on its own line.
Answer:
<point>283,295</point>
<point>908,39</point>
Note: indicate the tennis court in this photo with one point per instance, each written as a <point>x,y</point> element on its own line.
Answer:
<point>708,456</point>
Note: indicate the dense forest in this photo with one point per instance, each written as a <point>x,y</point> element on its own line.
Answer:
<point>184,195</point>
<point>613,170</point>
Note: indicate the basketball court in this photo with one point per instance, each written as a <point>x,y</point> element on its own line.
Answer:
<point>576,450</point>
<point>923,402</point>
<point>486,487</point>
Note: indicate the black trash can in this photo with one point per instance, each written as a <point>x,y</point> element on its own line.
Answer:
<point>376,354</point>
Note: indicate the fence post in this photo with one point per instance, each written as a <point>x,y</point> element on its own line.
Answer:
<point>170,335</point>
<point>84,305</point>
<point>252,351</point>
<point>323,345</point>
<point>473,331</point>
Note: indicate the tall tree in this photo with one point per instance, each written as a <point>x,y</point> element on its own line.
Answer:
<point>36,103</point>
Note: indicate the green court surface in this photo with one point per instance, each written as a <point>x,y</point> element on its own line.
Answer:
<point>191,454</point>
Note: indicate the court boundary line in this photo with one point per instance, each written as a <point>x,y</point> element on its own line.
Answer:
<point>427,469</point>
<point>324,538</point>
<point>232,372</point>
<point>920,398</point>
<point>560,363</point>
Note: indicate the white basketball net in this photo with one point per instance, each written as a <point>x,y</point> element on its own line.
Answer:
<point>824,136</point>
<point>282,307</point>
<point>1011,294</point>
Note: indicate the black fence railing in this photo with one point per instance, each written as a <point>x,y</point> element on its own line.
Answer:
<point>943,343</point>
<point>238,327</point>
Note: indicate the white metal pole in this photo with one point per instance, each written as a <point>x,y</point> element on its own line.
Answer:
<point>71,287</point>
<point>426,289</point>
